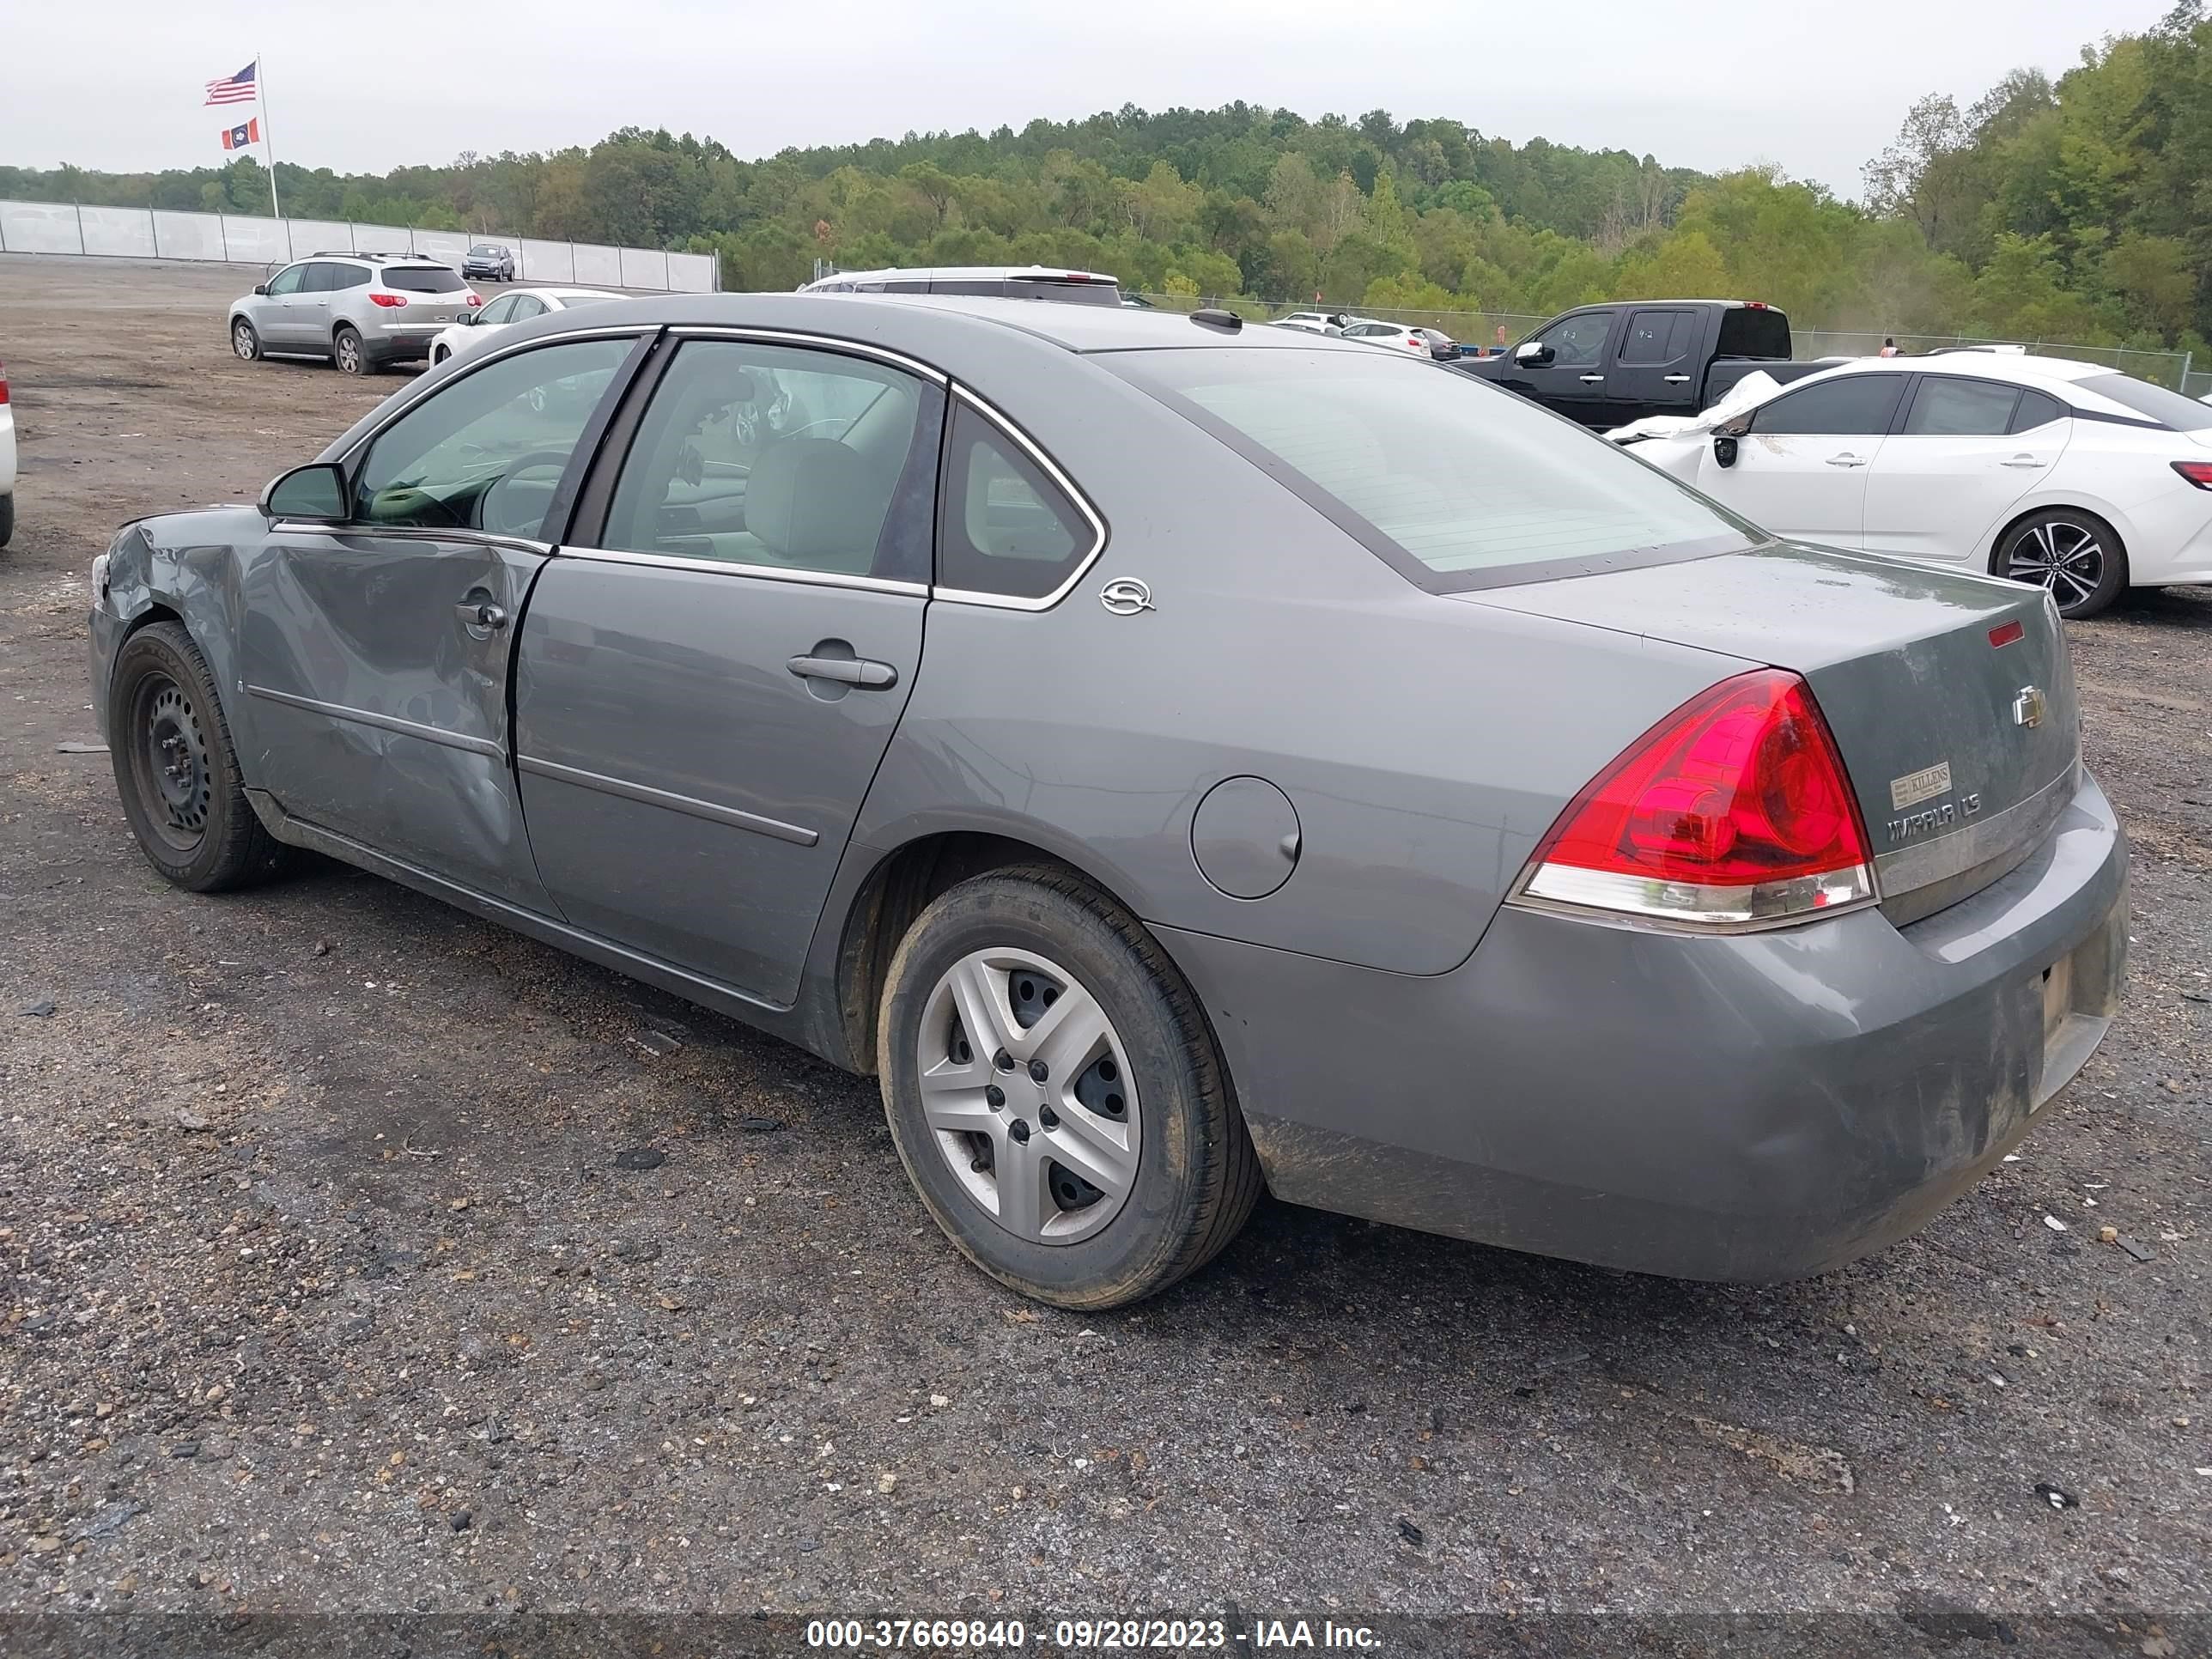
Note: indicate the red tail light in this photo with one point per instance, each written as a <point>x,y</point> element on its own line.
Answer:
<point>1733,809</point>
<point>476,299</point>
<point>2198,473</point>
<point>389,301</point>
<point>3,383</point>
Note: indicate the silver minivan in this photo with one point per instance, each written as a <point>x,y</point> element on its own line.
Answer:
<point>360,310</point>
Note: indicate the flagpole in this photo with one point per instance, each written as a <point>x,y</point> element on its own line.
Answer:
<point>268,140</point>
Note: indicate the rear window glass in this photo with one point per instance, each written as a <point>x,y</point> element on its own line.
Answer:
<point>2168,409</point>
<point>1655,336</point>
<point>1947,408</point>
<point>1455,483</point>
<point>1749,332</point>
<point>424,279</point>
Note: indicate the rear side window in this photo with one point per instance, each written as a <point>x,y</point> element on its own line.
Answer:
<point>1454,484</point>
<point>1944,407</point>
<point>424,279</point>
<point>350,277</point>
<point>2036,409</point>
<point>1008,528</point>
<point>1752,331</point>
<point>1656,338</point>
<point>1856,405</point>
<point>2168,409</point>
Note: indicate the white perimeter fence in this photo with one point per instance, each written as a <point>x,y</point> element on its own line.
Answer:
<point>239,239</point>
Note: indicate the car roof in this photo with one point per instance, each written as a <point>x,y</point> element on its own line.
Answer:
<point>966,273</point>
<point>2022,370</point>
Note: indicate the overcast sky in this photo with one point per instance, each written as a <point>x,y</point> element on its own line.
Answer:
<point>1817,89</point>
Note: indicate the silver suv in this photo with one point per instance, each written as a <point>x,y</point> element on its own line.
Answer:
<point>360,310</point>
<point>1005,281</point>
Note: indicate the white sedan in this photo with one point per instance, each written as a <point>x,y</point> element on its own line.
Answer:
<point>2071,476</point>
<point>516,305</point>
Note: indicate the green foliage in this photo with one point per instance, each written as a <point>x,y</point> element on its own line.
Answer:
<point>2079,209</point>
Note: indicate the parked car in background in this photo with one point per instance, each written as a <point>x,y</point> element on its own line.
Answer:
<point>362,310</point>
<point>491,262</point>
<point>2068,475</point>
<point>1427,342</point>
<point>1087,288</point>
<point>1314,322</point>
<point>1654,932</point>
<point>7,460</point>
<point>473,328</point>
<point>1608,365</point>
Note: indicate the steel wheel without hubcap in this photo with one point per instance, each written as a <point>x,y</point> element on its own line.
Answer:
<point>2065,556</point>
<point>1028,1095</point>
<point>170,761</point>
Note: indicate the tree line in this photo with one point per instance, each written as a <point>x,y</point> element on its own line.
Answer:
<point>2073,208</point>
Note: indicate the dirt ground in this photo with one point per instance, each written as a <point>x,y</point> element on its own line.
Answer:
<point>321,1288</point>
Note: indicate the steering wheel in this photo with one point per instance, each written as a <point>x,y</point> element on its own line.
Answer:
<point>492,507</point>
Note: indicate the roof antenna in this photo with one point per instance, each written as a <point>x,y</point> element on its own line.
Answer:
<point>1213,317</point>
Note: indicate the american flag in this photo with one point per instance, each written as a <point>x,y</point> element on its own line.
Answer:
<point>237,88</point>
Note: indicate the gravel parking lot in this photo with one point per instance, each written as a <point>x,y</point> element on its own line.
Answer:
<point>324,1285</point>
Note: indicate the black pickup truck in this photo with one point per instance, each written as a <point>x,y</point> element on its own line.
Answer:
<point>1608,365</point>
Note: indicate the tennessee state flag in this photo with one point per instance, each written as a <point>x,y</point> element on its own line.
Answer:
<point>239,137</point>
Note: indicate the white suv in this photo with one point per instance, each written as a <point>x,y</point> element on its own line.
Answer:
<point>1004,281</point>
<point>360,310</point>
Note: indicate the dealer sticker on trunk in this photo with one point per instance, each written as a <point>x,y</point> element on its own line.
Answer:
<point>1916,787</point>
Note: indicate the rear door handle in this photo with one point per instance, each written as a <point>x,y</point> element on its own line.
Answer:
<point>1845,459</point>
<point>1593,380</point>
<point>1678,380</point>
<point>846,671</point>
<point>2024,460</point>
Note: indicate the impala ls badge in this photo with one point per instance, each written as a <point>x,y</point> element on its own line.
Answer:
<point>1125,595</point>
<point>2027,707</point>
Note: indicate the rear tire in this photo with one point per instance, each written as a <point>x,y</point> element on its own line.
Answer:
<point>7,518</point>
<point>245,342</point>
<point>176,769</point>
<point>348,354</point>
<point>2076,556</point>
<point>1144,1106</point>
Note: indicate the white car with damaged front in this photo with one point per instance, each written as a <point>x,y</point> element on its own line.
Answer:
<point>2072,475</point>
<point>515,305</point>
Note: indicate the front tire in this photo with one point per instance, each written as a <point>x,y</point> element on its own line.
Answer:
<point>244,341</point>
<point>7,518</point>
<point>1055,1095</point>
<point>175,768</point>
<point>2076,556</point>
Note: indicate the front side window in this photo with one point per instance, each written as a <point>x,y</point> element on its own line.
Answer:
<point>1945,407</point>
<point>1855,405</point>
<point>527,306</point>
<point>487,451</point>
<point>1453,483</point>
<point>777,457</point>
<point>1579,342</point>
<point>1008,529</point>
<point>424,279</point>
<point>500,310</point>
<point>287,281</point>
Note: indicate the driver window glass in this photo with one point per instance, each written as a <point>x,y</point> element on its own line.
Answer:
<point>486,451</point>
<point>763,455</point>
<point>287,281</point>
<point>1579,342</point>
<point>1858,405</point>
<point>500,310</point>
<point>526,307</point>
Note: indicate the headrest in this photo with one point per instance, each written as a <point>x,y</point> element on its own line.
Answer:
<point>812,501</point>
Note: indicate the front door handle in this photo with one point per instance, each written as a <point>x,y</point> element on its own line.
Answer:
<point>1678,380</point>
<point>481,614</point>
<point>1845,459</point>
<point>2023,460</point>
<point>1593,380</point>
<point>846,671</point>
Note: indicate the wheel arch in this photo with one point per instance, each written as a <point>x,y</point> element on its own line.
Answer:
<point>900,883</point>
<point>2021,512</point>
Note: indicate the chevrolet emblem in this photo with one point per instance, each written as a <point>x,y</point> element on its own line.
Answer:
<point>2027,707</point>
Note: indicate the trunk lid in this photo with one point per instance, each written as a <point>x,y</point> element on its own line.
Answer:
<point>1962,751</point>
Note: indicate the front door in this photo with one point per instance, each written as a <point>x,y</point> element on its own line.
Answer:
<point>710,677</point>
<point>1966,450</point>
<point>1801,469</point>
<point>375,654</point>
<point>1567,372</point>
<point>282,318</point>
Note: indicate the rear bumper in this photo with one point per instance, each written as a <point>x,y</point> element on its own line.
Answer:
<point>1754,1107</point>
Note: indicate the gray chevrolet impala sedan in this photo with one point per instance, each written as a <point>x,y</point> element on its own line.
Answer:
<point>1179,759</point>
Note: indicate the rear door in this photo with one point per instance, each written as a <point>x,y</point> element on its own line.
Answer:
<point>1657,368</point>
<point>1801,469</point>
<point>711,674</point>
<point>375,652</point>
<point>1965,451</point>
